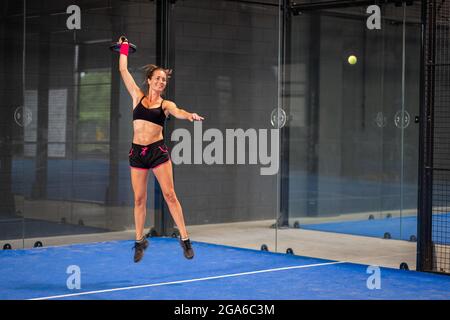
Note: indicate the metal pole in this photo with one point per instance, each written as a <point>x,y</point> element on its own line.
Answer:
<point>165,57</point>
<point>424,219</point>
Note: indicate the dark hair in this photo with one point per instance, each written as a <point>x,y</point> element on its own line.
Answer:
<point>149,69</point>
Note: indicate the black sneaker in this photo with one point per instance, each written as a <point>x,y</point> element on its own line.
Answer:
<point>187,248</point>
<point>139,248</point>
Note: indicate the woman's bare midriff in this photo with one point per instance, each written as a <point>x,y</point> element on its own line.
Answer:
<point>145,132</point>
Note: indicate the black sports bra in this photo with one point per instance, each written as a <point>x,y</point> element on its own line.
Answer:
<point>155,115</point>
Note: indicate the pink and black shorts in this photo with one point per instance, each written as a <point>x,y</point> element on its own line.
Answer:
<point>148,157</point>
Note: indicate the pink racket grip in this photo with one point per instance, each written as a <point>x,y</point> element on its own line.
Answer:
<point>124,48</point>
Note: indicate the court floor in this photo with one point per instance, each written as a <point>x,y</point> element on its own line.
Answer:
<point>105,271</point>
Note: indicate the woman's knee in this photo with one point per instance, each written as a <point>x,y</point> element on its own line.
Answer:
<point>170,196</point>
<point>140,200</point>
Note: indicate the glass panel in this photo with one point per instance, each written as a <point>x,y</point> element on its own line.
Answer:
<point>226,69</point>
<point>352,144</point>
<point>75,153</point>
<point>14,117</point>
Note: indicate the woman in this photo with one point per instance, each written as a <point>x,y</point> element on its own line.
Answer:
<point>148,150</point>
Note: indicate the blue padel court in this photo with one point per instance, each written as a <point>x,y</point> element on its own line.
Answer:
<point>398,228</point>
<point>107,271</point>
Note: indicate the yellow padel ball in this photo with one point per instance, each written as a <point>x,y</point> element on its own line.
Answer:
<point>352,59</point>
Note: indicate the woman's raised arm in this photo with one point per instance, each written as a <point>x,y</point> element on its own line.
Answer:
<point>127,78</point>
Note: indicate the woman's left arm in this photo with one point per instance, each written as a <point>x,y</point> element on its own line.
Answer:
<point>180,113</point>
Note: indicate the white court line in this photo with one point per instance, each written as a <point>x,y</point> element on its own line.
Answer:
<point>189,280</point>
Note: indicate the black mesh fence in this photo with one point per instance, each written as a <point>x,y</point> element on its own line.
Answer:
<point>434,249</point>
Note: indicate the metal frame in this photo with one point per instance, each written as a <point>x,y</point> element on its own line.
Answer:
<point>424,219</point>
<point>165,57</point>
<point>285,58</point>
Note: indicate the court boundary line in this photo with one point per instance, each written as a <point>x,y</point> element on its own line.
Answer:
<point>189,280</point>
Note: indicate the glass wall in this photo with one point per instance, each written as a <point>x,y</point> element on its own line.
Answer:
<point>68,120</point>
<point>69,175</point>
<point>226,69</point>
<point>12,179</point>
<point>333,182</point>
<point>353,93</point>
